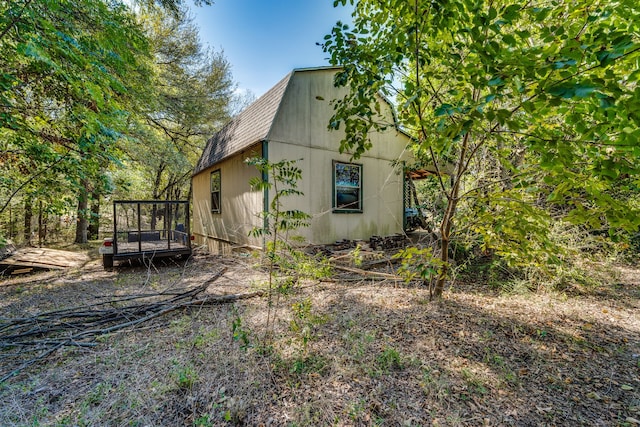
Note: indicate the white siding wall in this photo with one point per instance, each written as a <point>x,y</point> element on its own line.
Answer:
<point>239,205</point>
<point>300,132</point>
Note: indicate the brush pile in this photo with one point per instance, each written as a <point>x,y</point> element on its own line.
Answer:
<point>44,333</point>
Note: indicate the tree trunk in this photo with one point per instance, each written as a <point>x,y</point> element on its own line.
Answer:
<point>447,221</point>
<point>94,220</point>
<point>156,195</point>
<point>28,215</point>
<point>445,234</point>
<point>42,225</point>
<point>10,223</point>
<point>82,222</point>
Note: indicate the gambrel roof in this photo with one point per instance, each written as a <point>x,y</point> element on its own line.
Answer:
<point>246,129</point>
<point>249,127</point>
<point>253,125</point>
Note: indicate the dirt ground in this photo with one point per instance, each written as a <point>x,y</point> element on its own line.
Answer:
<point>357,352</point>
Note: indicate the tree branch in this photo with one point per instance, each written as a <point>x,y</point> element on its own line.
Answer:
<point>15,20</point>
<point>29,180</point>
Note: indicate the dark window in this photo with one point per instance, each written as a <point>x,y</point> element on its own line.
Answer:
<point>215,191</point>
<point>347,187</point>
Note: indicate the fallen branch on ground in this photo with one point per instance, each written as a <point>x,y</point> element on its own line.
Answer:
<point>80,326</point>
<point>367,273</point>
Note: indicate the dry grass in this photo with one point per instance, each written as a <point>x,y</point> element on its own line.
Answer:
<point>379,354</point>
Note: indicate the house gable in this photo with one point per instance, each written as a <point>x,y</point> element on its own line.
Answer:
<point>248,128</point>
<point>290,122</point>
<point>300,132</point>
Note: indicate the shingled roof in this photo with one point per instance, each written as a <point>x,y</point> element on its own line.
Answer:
<point>249,127</point>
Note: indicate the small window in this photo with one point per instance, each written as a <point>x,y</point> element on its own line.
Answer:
<point>215,191</point>
<point>347,187</point>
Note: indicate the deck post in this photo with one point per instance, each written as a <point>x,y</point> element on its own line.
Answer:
<point>139,229</point>
<point>167,223</point>
<point>115,230</point>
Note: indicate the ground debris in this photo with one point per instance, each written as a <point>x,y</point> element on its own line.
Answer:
<point>373,353</point>
<point>46,332</point>
<point>388,242</point>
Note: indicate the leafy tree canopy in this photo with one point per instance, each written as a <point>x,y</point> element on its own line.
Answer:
<point>86,85</point>
<point>174,7</point>
<point>536,104</point>
<point>64,85</point>
<point>188,101</point>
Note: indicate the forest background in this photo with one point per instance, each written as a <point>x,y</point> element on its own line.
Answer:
<point>101,100</point>
<point>535,107</point>
<point>532,108</point>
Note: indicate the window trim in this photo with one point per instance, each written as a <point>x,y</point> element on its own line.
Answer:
<point>219,191</point>
<point>335,187</point>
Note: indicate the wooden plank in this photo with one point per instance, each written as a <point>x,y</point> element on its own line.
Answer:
<point>18,264</point>
<point>45,258</point>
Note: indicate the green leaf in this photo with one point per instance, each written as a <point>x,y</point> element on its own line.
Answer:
<point>575,90</point>
<point>496,81</point>
<point>564,64</point>
<point>509,40</point>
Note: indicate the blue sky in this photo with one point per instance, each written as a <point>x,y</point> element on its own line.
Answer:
<point>265,39</point>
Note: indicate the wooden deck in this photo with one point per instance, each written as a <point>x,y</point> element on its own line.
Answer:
<point>27,259</point>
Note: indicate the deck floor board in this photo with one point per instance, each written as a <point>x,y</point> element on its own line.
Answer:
<point>45,258</point>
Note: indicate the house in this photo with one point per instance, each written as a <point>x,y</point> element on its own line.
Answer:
<point>348,199</point>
